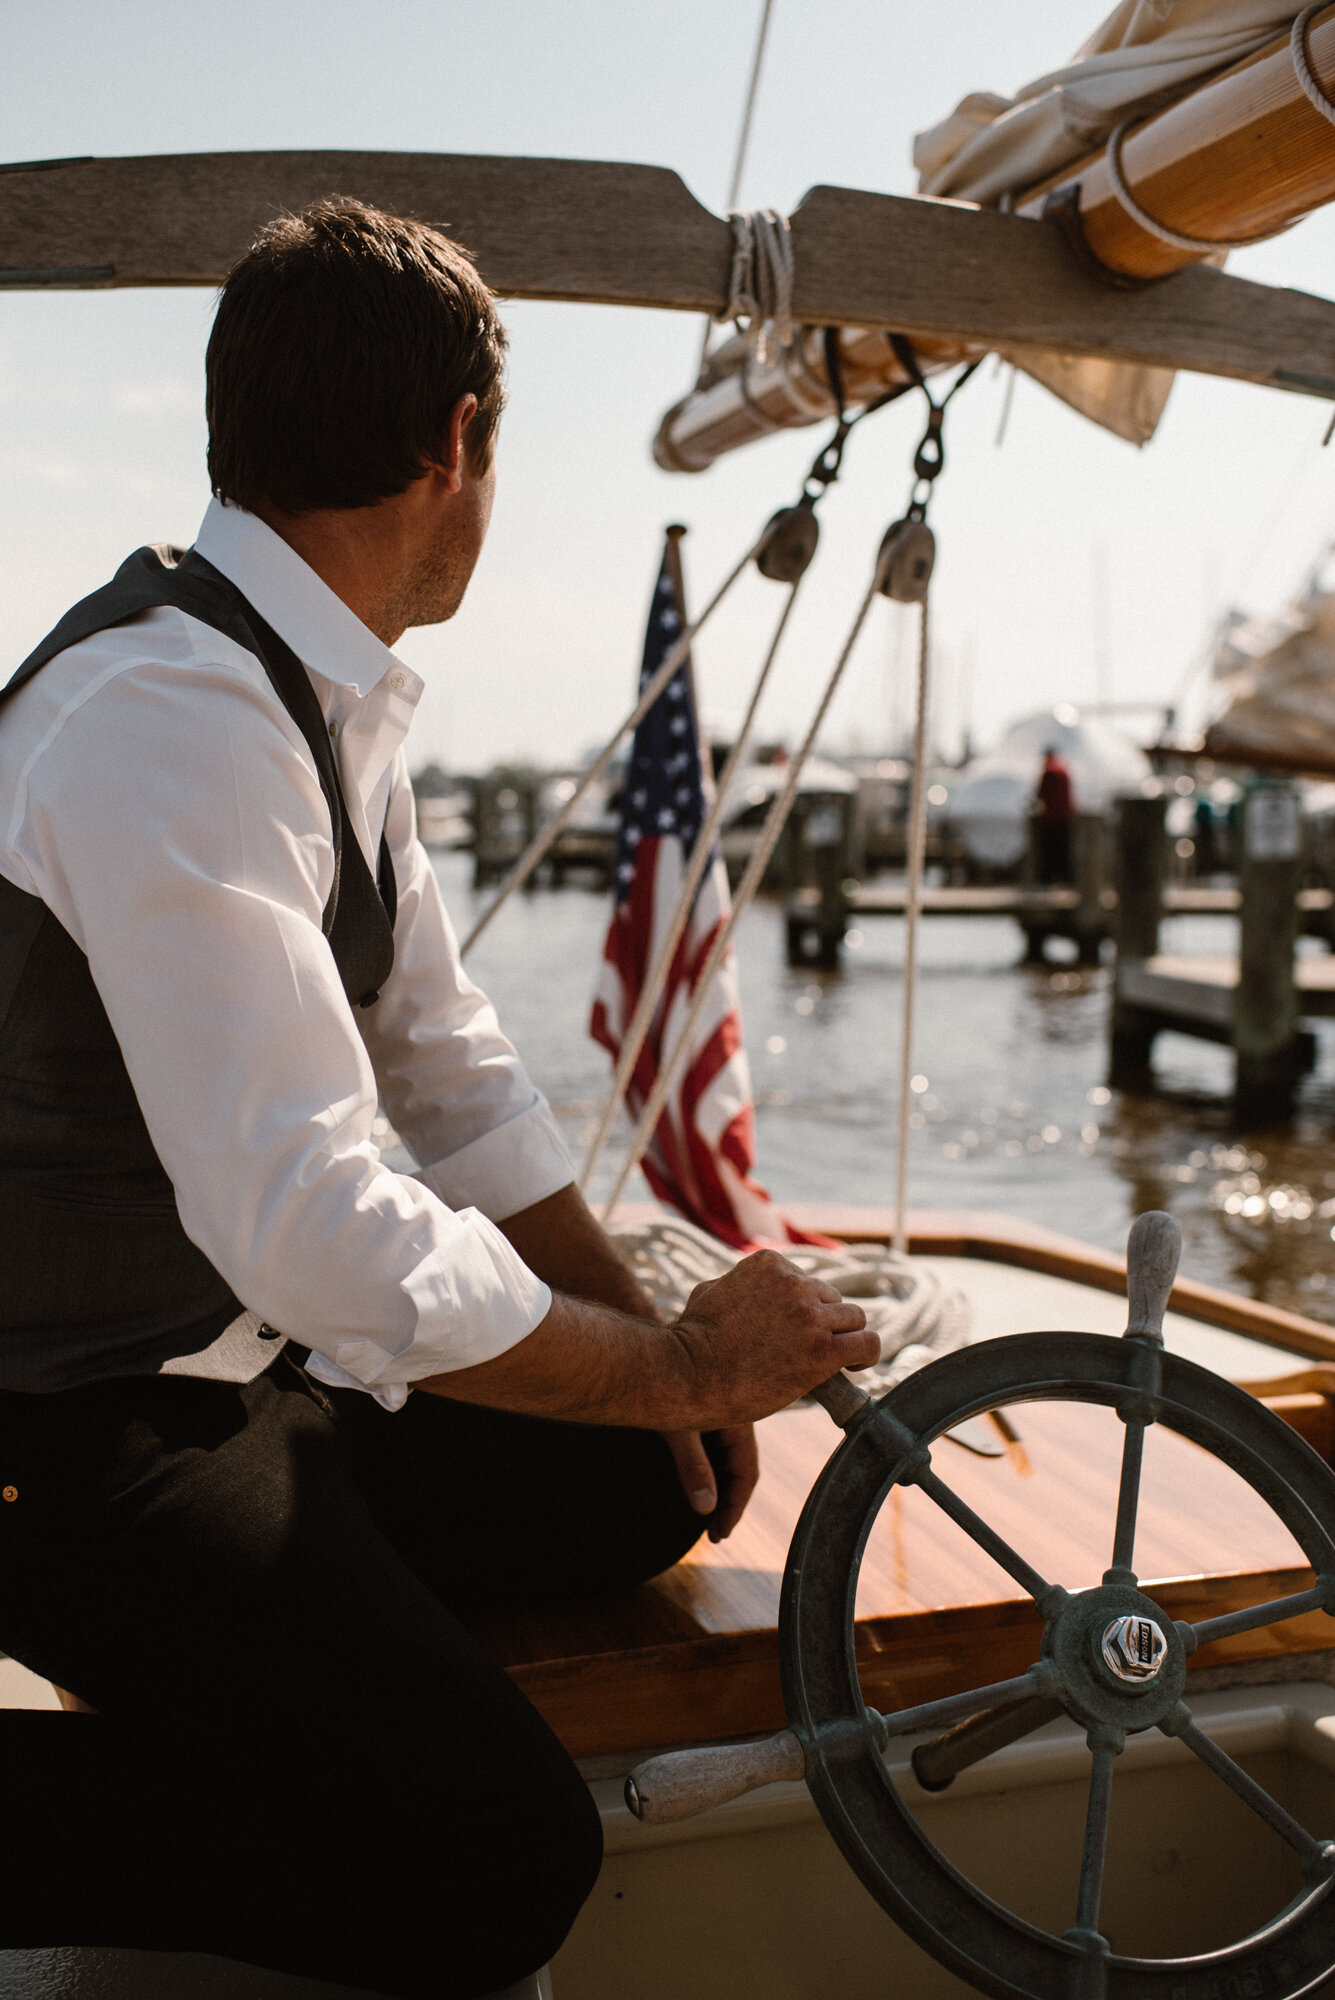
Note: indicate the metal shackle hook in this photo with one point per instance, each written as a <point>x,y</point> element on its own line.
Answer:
<point>930,457</point>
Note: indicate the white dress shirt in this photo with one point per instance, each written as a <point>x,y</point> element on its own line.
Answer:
<point>163,804</point>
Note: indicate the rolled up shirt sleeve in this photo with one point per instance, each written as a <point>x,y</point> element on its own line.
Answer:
<point>451,1082</point>
<point>181,837</point>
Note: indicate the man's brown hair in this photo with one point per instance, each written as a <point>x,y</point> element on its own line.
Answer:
<point>343,339</point>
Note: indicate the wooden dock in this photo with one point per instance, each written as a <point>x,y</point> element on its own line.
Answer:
<point>1199,995</point>
<point>1255,1001</point>
<point>876,899</point>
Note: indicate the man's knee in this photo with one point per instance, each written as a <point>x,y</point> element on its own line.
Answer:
<point>522,1872</point>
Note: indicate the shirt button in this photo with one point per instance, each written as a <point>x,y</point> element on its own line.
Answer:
<point>398,681</point>
<point>333,729</point>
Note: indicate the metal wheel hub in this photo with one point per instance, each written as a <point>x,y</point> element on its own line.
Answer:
<point>1115,1692</point>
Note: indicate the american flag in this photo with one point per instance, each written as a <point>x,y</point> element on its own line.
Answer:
<point>700,1158</point>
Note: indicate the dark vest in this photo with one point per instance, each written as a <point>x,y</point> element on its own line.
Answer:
<point>97,1276</point>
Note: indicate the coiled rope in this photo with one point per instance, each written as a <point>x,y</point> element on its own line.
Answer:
<point>916,1316</point>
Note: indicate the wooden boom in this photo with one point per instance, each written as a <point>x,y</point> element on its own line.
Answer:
<point>634,235</point>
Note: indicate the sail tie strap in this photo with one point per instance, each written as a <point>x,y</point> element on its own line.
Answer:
<point>760,281</point>
<point>1176,239</point>
<point>1302,62</point>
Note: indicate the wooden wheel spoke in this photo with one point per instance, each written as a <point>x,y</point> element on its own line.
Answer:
<point>937,1764</point>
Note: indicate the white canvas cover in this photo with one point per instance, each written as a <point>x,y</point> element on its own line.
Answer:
<point>991,799</point>
<point>1277,679</point>
<point>1144,55</point>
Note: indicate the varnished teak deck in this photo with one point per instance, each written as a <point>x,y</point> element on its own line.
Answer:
<point>695,1655</point>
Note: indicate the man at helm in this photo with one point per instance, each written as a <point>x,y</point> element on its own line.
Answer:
<point>273,1417</point>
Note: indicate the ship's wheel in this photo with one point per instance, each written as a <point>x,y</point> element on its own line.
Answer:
<point>1110,1659</point>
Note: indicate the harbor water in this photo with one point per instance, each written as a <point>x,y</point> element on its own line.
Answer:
<point>1011,1109</point>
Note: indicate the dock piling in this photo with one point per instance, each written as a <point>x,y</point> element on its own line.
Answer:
<point>1140,868</point>
<point>817,851</point>
<point>1271,1050</point>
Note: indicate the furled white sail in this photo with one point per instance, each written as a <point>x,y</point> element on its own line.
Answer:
<point>992,148</point>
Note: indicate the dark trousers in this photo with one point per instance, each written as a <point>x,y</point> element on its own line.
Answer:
<point>302,1758</point>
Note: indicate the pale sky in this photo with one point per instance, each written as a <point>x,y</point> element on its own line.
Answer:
<point>101,427</point>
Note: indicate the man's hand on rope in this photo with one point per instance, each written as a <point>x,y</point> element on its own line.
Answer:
<point>748,1343</point>
<point>718,1474</point>
<point>763,1334</point>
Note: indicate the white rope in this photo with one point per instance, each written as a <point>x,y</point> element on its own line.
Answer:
<point>542,841</point>
<point>914,1314</point>
<point>750,883</point>
<point>760,282</point>
<point>743,146</point>
<point>651,993</point>
<point>1302,62</point>
<point>917,850</point>
<point>1174,238</point>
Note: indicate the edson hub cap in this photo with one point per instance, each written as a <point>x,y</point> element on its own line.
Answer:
<point>1134,1648</point>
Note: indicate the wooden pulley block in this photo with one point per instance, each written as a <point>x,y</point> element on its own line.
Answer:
<point>790,542</point>
<point>906,560</point>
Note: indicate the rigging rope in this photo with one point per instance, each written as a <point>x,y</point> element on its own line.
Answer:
<point>917,851</point>
<point>656,979</point>
<point>788,546</point>
<point>542,841</point>
<point>739,158</point>
<point>750,883</point>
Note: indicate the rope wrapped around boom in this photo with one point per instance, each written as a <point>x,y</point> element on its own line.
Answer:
<point>760,282</point>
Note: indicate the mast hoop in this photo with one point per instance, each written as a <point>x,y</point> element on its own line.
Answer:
<point>1302,62</point>
<point>1174,238</point>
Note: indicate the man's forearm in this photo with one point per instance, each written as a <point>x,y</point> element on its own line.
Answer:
<point>562,1242</point>
<point>587,1363</point>
<point>747,1344</point>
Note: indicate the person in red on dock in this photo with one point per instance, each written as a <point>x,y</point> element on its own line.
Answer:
<point>273,1415</point>
<point>1054,814</point>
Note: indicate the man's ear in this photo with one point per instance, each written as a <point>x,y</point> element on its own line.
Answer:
<point>451,461</point>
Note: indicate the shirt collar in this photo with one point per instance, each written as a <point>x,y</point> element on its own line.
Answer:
<point>303,610</point>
